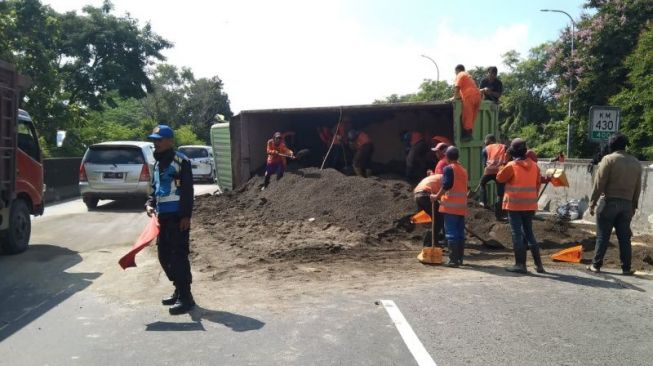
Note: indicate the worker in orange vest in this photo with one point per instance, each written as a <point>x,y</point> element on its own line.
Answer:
<point>522,179</point>
<point>277,154</point>
<point>494,156</point>
<point>362,144</point>
<point>422,193</point>
<point>467,91</point>
<point>453,204</point>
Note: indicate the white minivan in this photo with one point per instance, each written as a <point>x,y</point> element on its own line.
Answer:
<point>201,158</point>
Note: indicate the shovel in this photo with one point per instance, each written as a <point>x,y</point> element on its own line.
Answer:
<point>300,154</point>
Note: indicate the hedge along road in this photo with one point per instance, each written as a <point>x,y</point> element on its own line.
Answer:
<point>68,296</point>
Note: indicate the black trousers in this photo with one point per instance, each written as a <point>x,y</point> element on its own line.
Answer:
<point>484,181</point>
<point>363,157</point>
<point>423,202</point>
<point>173,249</point>
<point>416,162</point>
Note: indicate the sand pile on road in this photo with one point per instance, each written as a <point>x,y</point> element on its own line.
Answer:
<point>344,223</point>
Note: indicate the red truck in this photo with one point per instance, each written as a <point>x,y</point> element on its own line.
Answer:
<point>21,168</point>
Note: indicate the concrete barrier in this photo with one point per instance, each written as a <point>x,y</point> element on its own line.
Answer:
<point>61,176</point>
<point>580,188</point>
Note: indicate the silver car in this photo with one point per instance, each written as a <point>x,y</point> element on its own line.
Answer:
<point>116,170</point>
<point>201,159</point>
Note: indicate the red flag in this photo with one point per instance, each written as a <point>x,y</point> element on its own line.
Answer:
<point>150,233</point>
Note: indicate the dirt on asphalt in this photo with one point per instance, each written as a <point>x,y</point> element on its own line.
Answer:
<point>323,225</point>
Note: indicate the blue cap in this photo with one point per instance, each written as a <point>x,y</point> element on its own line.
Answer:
<point>162,132</point>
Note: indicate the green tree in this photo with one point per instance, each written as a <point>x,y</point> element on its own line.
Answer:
<point>184,135</point>
<point>636,98</point>
<point>429,91</point>
<point>604,39</point>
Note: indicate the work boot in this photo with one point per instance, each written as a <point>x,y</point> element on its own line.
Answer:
<point>368,173</point>
<point>359,172</point>
<point>466,136</point>
<point>535,251</point>
<point>183,304</point>
<point>172,299</point>
<point>461,252</point>
<point>520,262</point>
<point>453,256</point>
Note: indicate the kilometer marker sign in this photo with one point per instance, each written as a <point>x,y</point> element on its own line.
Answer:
<point>604,122</point>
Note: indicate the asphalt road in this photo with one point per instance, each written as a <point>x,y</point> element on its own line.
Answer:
<point>53,311</point>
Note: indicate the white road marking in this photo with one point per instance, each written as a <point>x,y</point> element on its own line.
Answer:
<point>413,343</point>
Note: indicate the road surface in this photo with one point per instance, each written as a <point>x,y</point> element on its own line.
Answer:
<point>66,302</point>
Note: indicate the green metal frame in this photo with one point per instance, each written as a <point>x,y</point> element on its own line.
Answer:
<point>221,143</point>
<point>487,122</point>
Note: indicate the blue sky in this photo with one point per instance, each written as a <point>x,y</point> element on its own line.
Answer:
<point>294,53</point>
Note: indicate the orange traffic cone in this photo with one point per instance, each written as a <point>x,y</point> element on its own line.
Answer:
<point>420,218</point>
<point>572,255</point>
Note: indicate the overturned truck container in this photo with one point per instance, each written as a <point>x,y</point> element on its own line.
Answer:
<point>384,123</point>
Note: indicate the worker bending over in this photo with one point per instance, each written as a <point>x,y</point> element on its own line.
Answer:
<point>361,143</point>
<point>277,154</point>
<point>494,156</point>
<point>466,90</point>
<point>453,204</point>
<point>422,193</point>
<point>522,179</point>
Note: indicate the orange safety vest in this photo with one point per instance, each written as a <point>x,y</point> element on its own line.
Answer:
<point>496,157</point>
<point>280,149</point>
<point>521,190</point>
<point>430,184</point>
<point>454,201</point>
<point>362,139</point>
<point>416,137</point>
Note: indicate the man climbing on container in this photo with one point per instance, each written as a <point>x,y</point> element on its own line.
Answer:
<point>172,202</point>
<point>619,181</point>
<point>417,150</point>
<point>453,204</point>
<point>466,90</point>
<point>491,86</point>
<point>522,179</point>
<point>422,193</point>
<point>493,157</point>
<point>361,143</point>
<point>277,154</point>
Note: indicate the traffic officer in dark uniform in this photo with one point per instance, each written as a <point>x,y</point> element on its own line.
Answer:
<point>172,202</point>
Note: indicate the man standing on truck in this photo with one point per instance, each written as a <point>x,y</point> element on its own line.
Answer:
<point>277,154</point>
<point>465,89</point>
<point>493,156</point>
<point>491,86</point>
<point>619,181</point>
<point>172,202</point>
<point>453,204</point>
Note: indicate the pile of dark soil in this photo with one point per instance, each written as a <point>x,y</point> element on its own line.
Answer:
<point>344,223</point>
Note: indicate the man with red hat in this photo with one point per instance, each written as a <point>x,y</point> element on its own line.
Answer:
<point>440,153</point>
<point>277,154</point>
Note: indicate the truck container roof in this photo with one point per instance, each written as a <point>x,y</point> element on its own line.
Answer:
<point>354,108</point>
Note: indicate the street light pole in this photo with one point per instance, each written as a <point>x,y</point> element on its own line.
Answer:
<point>571,72</point>
<point>436,67</point>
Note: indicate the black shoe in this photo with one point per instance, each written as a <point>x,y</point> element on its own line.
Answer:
<point>593,268</point>
<point>630,272</point>
<point>517,268</point>
<point>539,268</point>
<point>170,300</point>
<point>452,264</point>
<point>182,306</point>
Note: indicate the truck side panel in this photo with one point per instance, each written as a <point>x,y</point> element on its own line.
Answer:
<point>8,115</point>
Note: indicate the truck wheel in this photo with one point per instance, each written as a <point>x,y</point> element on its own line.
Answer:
<point>91,203</point>
<point>16,239</point>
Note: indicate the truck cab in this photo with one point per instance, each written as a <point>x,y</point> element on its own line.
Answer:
<point>21,167</point>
